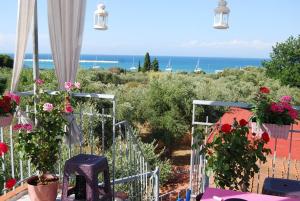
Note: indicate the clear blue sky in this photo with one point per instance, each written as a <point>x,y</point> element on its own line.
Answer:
<point>172,27</point>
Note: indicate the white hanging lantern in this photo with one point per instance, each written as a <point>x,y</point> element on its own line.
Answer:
<point>221,15</point>
<point>100,18</point>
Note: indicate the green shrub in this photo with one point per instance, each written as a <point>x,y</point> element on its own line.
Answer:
<point>6,61</point>
<point>285,62</point>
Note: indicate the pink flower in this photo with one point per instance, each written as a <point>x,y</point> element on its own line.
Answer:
<point>276,107</point>
<point>39,81</point>
<point>48,107</point>
<point>68,86</point>
<point>68,108</point>
<point>17,127</point>
<point>77,85</point>
<point>286,106</point>
<point>293,114</point>
<point>286,99</point>
<point>27,127</point>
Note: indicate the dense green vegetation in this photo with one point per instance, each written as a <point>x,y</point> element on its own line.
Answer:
<point>285,62</point>
<point>6,61</point>
<point>161,102</point>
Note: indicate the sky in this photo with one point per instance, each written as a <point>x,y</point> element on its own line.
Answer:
<point>171,27</point>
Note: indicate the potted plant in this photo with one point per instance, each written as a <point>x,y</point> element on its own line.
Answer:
<point>9,183</point>
<point>8,105</point>
<point>232,155</point>
<point>40,143</point>
<point>272,116</point>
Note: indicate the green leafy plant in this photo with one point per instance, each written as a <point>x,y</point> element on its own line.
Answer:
<point>41,143</point>
<point>232,157</point>
<point>267,110</point>
<point>284,64</point>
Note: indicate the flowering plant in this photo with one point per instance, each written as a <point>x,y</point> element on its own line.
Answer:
<point>40,142</point>
<point>269,111</point>
<point>232,155</point>
<point>8,103</point>
<point>9,183</point>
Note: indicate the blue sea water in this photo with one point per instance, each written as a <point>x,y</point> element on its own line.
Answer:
<point>179,64</point>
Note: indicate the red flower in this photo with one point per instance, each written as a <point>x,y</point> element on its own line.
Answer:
<point>6,108</point>
<point>293,114</point>
<point>68,108</point>
<point>3,148</point>
<point>10,183</point>
<point>226,128</point>
<point>243,122</point>
<point>264,90</point>
<point>265,137</point>
<point>6,98</point>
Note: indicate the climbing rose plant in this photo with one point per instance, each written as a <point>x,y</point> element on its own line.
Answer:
<point>267,110</point>
<point>233,153</point>
<point>40,143</point>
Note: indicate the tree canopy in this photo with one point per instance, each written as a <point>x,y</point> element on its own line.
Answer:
<point>155,65</point>
<point>285,62</point>
<point>6,61</point>
<point>147,63</point>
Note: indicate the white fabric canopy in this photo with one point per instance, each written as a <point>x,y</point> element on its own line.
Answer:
<point>66,22</point>
<point>24,24</point>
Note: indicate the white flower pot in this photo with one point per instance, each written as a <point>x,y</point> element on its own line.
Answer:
<point>274,130</point>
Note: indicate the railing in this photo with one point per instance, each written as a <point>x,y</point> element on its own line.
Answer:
<point>130,172</point>
<point>169,196</point>
<point>198,178</point>
<point>133,168</point>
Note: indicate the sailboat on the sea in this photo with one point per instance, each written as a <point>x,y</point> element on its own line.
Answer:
<point>169,67</point>
<point>133,68</point>
<point>94,65</point>
<point>197,68</point>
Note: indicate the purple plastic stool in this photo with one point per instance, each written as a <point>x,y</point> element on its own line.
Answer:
<point>87,167</point>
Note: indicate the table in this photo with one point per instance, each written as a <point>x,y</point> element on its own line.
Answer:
<point>226,194</point>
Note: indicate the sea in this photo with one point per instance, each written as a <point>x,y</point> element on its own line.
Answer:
<point>130,62</point>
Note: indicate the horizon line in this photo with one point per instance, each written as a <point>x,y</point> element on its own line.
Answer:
<point>141,55</point>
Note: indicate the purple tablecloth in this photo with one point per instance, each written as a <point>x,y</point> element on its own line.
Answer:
<point>226,194</point>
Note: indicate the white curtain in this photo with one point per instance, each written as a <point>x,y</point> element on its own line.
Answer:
<point>66,22</point>
<point>24,24</point>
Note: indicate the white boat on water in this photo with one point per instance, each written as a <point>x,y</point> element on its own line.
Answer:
<point>133,68</point>
<point>197,68</point>
<point>219,71</point>
<point>169,67</point>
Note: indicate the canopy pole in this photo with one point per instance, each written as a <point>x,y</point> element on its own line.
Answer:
<point>35,46</point>
<point>35,55</point>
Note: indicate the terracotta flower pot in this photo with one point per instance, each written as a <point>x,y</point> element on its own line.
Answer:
<point>6,120</point>
<point>274,130</point>
<point>42,192</point>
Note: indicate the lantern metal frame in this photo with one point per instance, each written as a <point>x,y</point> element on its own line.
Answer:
<point>221,15</point>
<point>100,18</point>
